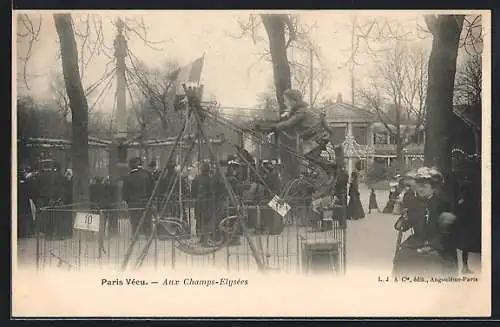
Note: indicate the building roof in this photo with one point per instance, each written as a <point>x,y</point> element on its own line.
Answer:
<point>340,111</point>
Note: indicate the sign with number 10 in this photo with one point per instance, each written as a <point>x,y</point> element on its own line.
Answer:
<point>87,221</point>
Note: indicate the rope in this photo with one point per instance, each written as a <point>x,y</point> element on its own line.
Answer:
<point>137,114</point>
<point>106,87</point>
<point>253,135</point>
<point>306,161</point>
<point>97,83</point>
<point>142,84</point>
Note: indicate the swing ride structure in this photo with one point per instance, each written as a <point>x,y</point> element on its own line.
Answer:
<point>280,231</point>
<point>237,210</point>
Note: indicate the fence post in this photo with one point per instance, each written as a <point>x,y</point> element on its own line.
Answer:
<point>228,253</point>
<point>79,248</point>
<point>37,231</point>
<point>156,224</point>
<point>173,252</point>
<point>100,234</point>
<point>344,237</point>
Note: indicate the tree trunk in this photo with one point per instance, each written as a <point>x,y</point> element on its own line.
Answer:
<point>398,139</point>
<point>399,150</point>
<point>446,31</point>
<point>275,28</point>
<point>78,105</point>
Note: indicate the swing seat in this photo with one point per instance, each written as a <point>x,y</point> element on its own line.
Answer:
<point>171,227</point>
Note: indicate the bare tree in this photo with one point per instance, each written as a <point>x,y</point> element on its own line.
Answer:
<point>468,95</point>
<point>78,105</point>
<point>371,36</point>
<point>276,26</point>
<point>468,81</point>
<point>59,96</point>
<point>397,93</point>
<point>155,89</point>
<point>446,31</point>
<point>28,33</point>
<point>471,37</point>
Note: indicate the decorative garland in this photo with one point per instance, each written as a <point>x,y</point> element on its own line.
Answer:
<point>475,156</point>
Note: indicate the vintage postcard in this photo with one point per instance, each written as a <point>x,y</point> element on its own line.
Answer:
<point>251,163</point>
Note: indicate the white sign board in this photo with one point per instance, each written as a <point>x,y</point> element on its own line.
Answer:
<point>279,205</point>
<point>87,221</point>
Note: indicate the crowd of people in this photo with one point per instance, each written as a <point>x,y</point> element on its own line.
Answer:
<point>438,221</point>
<point>42,186</point>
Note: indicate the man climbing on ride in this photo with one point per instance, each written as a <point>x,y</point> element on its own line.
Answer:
<point>297,120</point>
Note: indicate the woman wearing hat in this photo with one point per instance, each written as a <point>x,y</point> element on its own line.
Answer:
<point>430,249</point>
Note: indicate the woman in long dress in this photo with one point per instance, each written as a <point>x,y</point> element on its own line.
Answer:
<point>468,210</point>
<point>354,208</point>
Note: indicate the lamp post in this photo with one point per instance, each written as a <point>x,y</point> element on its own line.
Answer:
<point>349,150</point>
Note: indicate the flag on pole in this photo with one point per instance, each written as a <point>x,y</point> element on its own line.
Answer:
<point>189,74</point>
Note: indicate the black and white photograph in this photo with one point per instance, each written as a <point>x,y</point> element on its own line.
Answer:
<point>279,163</point>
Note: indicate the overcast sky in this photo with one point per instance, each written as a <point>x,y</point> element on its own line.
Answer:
<point>232,73</point>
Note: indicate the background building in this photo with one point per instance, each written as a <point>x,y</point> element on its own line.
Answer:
<point>368,140</point>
